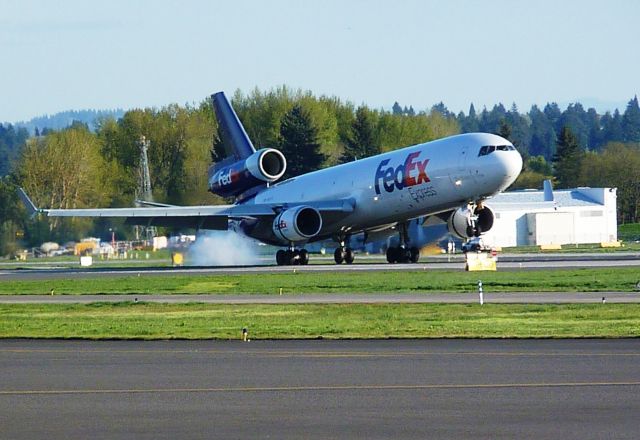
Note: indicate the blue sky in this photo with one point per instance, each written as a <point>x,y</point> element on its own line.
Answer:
<point>105,54</point>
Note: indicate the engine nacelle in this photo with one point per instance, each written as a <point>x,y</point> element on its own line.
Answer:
<point>299,223</point>
<point>468,222</point>
<point>265,165</point>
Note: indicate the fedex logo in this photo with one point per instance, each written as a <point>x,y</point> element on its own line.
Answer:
<point>411,172</point>
<point>226,177</point>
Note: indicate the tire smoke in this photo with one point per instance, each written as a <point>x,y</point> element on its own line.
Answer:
<point>223,248</point>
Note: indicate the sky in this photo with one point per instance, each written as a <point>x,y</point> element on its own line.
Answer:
<point>84,54</point>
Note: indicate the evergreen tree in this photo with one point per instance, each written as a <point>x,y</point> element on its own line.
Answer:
<point>469,124</point>
<point>612,127</point>
<point>363,141</point>
<point>504,130</point>
<point>396,109</point>
<point>631,122</point>
<point>568,159</point>
<point>543,136</point>
<point>299,142</point>
<point>553,113</point>
<point>520,131</point>
<point>575,118</point>
<point>442,109</point>
<point>595,130</point>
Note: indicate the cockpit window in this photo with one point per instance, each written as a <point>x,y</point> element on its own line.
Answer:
<point>488,149</point>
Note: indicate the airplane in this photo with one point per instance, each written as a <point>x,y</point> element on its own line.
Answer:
<point>446,180</point>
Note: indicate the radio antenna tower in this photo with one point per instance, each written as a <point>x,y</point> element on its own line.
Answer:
<point>144,186</point>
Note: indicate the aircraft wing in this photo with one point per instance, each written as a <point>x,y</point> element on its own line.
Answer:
<point>198,217</point>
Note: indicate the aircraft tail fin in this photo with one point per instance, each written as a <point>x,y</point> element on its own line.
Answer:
<point>233,138</point>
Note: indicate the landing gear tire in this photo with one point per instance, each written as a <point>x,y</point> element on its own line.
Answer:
<point>292,257</point>
<point>339,255</point>
<point>415,254</point>
<point>392,255</point>
<point>404,255</point>
<point>304,257</point>
<point>349,256</point>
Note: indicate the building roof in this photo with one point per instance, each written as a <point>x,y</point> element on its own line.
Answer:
<point>535,199</point>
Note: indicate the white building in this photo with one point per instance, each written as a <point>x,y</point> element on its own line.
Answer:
<point>533,217</point>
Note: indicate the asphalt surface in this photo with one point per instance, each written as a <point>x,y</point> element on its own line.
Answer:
<point>390,389</point>
<point>506,262</point>
<point>338,298</point>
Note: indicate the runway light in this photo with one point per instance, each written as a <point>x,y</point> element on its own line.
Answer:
<point>458,182</point>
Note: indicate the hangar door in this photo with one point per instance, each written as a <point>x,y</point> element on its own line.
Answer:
<point>551,228</point>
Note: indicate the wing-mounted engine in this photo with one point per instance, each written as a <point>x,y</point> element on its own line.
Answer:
<point>470,221</point>
<point>296,224</point>
<point>264,166</point>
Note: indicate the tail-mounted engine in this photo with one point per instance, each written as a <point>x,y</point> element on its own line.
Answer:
<point>299,223</point>
<point>264,166</point>
<point>470,221</point>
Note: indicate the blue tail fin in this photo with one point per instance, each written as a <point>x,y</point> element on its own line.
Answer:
<point>234,139</point>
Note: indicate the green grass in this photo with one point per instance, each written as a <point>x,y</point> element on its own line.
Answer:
<point>588,280</point>
<point>205,321</point>
<point>629,232</point>
<point>627,246</point>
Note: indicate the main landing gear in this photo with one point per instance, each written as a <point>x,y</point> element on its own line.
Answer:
<point>343,254</point>
<point>403,253</point>
<point>292,257</point>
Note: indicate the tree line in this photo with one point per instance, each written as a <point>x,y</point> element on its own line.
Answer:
<point>79,167</point>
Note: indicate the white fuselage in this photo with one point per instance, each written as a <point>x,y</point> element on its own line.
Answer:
<point>412,182</point>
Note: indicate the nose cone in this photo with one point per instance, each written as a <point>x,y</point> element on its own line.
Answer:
<point>509,164</point>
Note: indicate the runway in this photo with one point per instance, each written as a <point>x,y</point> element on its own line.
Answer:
<point>400,389</point>
<point>506,262</point>
<point>337,298</point>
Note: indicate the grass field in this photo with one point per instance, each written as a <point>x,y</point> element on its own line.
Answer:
<point>204,321</point>
<point>588,280</point>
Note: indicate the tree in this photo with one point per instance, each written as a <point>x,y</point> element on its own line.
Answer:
<point>543,136</point>
<point>504,130</point>
<point>66,170</point>
<point>10,216</point>
<point>612,127</point>
<point>631,122</point>
<point>567,160</point>
<point>618,166</point>
<point>363,141</point>
<point>299,142</point>
<point>396,109</point>
<point>469,124</point>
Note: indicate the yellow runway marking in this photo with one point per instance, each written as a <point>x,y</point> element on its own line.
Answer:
<point>320,354</point>
<point>316,388</point>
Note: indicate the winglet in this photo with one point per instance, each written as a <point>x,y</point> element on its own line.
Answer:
<point>31,208</point>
